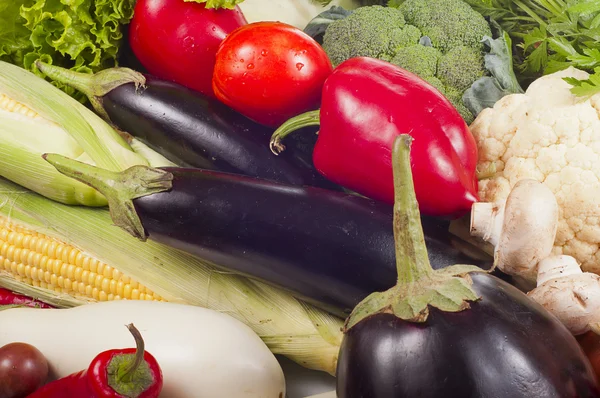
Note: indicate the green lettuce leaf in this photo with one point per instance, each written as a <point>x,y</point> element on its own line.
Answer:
<point>83,35</point>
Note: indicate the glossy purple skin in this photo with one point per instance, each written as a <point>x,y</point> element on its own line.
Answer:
<point>194,130</point>
<point>330,248</point>
<point>505,346</point>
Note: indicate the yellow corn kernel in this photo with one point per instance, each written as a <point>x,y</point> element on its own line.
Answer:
<point>10,105</point>
<point>41,261</point>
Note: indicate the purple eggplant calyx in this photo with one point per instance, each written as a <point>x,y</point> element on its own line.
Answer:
<point>119,188</point>
<point>419,286</point>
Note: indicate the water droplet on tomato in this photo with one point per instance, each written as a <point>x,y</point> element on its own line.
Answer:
<point>264,53</point>
<point>299,66</point>
<point>241,60</point>
<point>250,66</point>
<point>214,28</point>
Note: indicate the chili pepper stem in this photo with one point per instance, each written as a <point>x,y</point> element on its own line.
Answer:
<point>94,86</point>
<point>119,188</point>
<point>125,373</point>
<point>419,285</point>
<point>311,118</point>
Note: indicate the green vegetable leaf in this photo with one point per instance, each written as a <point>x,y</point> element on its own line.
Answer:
<point>486,91</point>
<point>83,35</point>
<point>585,7</point>
<point>585,88</point>
<point>588,60</point>
<point>318,25</point>
<point>228,4</point>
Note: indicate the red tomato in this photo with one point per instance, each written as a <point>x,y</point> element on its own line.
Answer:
<point>177,40</point>
<point>590,342</point>
<point>270,71</point>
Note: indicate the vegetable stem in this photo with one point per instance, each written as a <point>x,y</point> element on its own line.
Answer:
<point>311,118</point>
<point>120,188</point>
<point>94,86</point>
<point>125,373</point>
<point>419,285</point>
<point>412,261</point>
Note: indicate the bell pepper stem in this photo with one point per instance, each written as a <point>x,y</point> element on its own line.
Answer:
<point>94,86</point>
<point>311,118</point>
<point>125,374</point>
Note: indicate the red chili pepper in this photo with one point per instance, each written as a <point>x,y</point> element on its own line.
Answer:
<point>366,104</point>
<point>121,373</point>
<point>9,298</point>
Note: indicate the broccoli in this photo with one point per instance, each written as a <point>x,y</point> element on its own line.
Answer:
<point>418,59</point>
<point>460,67</point>
<point>439,40</point>
<point>448,23</point>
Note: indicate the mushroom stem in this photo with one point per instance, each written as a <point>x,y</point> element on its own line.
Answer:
<point>486,221</point>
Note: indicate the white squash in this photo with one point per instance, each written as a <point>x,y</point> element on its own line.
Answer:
<point>202,353</point>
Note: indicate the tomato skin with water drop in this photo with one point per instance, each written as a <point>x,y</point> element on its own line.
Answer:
<point>270,71</point>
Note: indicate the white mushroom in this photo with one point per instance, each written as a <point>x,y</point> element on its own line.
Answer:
<point>522,229</point>
<point>572,295</point>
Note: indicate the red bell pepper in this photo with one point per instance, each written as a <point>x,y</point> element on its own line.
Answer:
<point>121,373</point>
<point>9,298</point>
<point>366,104</point>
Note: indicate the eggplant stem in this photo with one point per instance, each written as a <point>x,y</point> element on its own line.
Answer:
<point>419,285</point>
<point>311,118</point>
<point>412,261</point>
<point>119,188</point>
<point>93,86</point>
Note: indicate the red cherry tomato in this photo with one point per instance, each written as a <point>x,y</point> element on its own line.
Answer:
<point>270,71</point>
<point>590,342</point>
<point>177,40</point>
<point>23,369</point>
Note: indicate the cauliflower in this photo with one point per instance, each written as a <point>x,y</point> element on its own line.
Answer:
<point>552,136</point>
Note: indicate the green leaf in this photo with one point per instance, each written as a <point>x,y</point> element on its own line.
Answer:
<point>83,35</point>
<point>588,60</point>
<point>585,88</point>
<point>318,25</point>
<point>228,4</point>
<point>585,7</point>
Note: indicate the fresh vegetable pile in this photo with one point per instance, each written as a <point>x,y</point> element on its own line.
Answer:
<point>404,194</point>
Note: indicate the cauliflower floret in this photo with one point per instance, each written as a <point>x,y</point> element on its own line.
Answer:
<point>550,135</point>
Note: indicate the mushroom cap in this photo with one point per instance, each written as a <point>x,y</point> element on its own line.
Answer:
<point>528,229</point>
<point>573,299</point>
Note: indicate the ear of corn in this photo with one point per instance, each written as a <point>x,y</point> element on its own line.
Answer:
<point>38,118</point>
<point>289,327</point>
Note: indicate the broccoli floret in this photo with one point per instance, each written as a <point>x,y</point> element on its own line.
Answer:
<point>460,67</point>
<point>437,83</point>
<point>372,31</point>
<point>418,59</point>
<point>448,23</point>
<point>455,97</point>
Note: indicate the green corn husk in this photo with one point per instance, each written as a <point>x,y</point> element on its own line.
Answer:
<point>288,326</point>
<point>65,126</point>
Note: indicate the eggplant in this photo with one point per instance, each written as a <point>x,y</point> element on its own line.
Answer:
<point>329,248</point>
<point>187,127</point>
<point>454,332</point>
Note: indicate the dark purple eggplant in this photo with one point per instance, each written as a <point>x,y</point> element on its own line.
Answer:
<point>455,332</point>
<point>329,248</point>
<point>186,127</point>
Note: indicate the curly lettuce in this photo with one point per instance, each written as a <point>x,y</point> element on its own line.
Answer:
<point>83,35</point>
